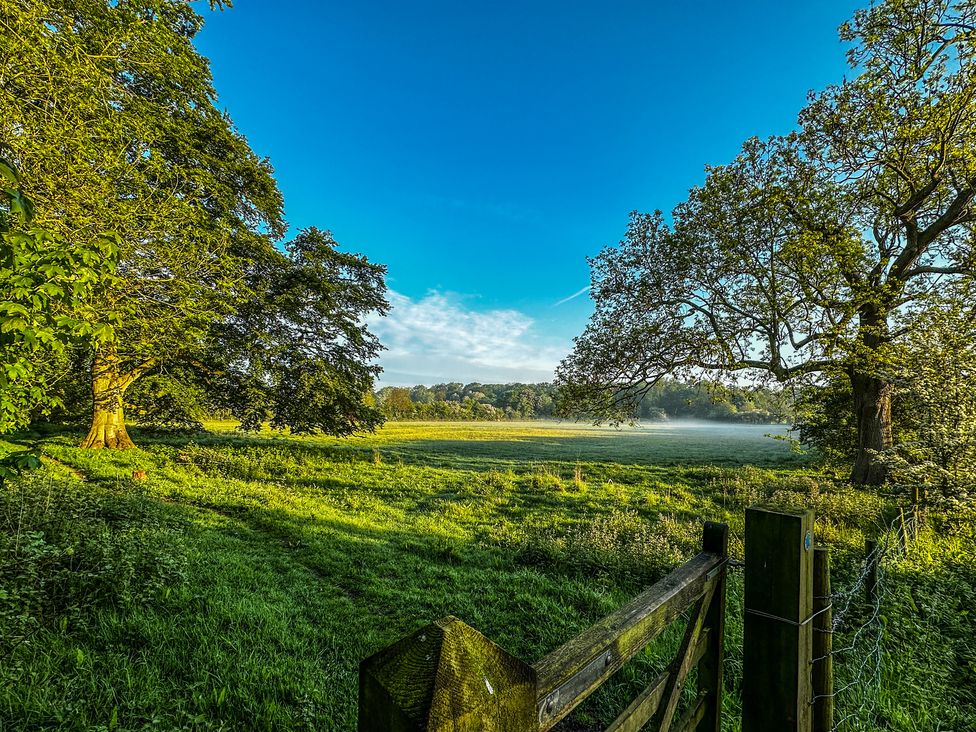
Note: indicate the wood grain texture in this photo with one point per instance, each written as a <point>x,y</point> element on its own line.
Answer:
<point>777,633</point>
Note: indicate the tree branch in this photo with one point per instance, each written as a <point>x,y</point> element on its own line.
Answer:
<point>915,271</point>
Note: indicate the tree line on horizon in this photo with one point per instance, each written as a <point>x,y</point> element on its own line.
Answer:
<point>667,399</point>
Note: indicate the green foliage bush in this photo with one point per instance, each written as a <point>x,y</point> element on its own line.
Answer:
<point>825,419</point>
<point>933,372</point>
<point>621,545</point>
<point>500,480</point>
<point>545,479</point>
<point>65,547</point>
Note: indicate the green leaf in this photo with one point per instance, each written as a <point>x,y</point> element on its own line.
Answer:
<point>103,332</point>
<point>20,205</point>
<point>13,308</point>
<point>12,325</point>
<point>9,173</point>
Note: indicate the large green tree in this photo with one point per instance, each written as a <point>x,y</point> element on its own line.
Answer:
<point>111,115</point>
<point>297,351</point>
<point>803,256</point>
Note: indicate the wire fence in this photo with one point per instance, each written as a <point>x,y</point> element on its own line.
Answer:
<point>857,615</point>
<point>857,618</point>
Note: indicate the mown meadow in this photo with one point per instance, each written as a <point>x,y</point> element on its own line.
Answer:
<point>239,584</point>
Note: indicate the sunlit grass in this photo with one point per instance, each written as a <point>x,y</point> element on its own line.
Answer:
<point>285,561</point>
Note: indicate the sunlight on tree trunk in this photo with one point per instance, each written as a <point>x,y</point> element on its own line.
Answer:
<point>108,419</point>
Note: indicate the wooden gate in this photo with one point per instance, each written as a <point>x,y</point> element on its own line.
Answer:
<point>447,676</point>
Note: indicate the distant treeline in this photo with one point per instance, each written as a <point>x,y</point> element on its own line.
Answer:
<point>665,400</point>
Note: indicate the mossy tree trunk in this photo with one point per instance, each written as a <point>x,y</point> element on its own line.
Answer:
<point>872,410</point>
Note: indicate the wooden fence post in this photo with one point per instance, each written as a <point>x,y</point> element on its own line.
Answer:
<point>823,643</point>
<point>778,634</point>
<point>710,679</point>
<point>446,677</point>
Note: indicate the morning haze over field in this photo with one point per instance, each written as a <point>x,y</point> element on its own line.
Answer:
<point>488,367</point>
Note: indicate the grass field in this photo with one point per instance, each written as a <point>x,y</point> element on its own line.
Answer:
<point>240,584</point>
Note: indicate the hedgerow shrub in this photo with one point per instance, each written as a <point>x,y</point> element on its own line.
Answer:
<point>64,551</point>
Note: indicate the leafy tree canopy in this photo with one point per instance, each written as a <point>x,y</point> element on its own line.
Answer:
<point>111,114</point>
<point>46,289</point>
<point>112,117</point>
<point>298,350</point>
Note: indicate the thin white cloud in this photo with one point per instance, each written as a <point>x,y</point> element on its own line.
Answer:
<point>438,339</point>
<point>572,297</point>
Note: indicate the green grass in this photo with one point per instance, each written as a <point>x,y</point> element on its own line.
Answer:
<point>241,583</point>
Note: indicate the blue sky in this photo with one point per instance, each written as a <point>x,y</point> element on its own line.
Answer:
<point>483,150</point>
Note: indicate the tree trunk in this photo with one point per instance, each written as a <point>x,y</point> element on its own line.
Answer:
<point>108,387</point>
<point>872,409</point>
<point>872,398</point>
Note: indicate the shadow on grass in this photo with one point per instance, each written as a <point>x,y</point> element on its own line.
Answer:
<point>279,608</point>
<point>382,584</point>
<point>281,605</point>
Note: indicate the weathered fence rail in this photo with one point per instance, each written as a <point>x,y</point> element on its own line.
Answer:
<point>572,672</point>
<point>448,676</point>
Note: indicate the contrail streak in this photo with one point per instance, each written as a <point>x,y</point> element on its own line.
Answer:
<point>572,297</point>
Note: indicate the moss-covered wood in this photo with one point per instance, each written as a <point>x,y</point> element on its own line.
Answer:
<point>446,677</point>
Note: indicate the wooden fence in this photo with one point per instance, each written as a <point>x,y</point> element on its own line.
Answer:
<point>449,677</point>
